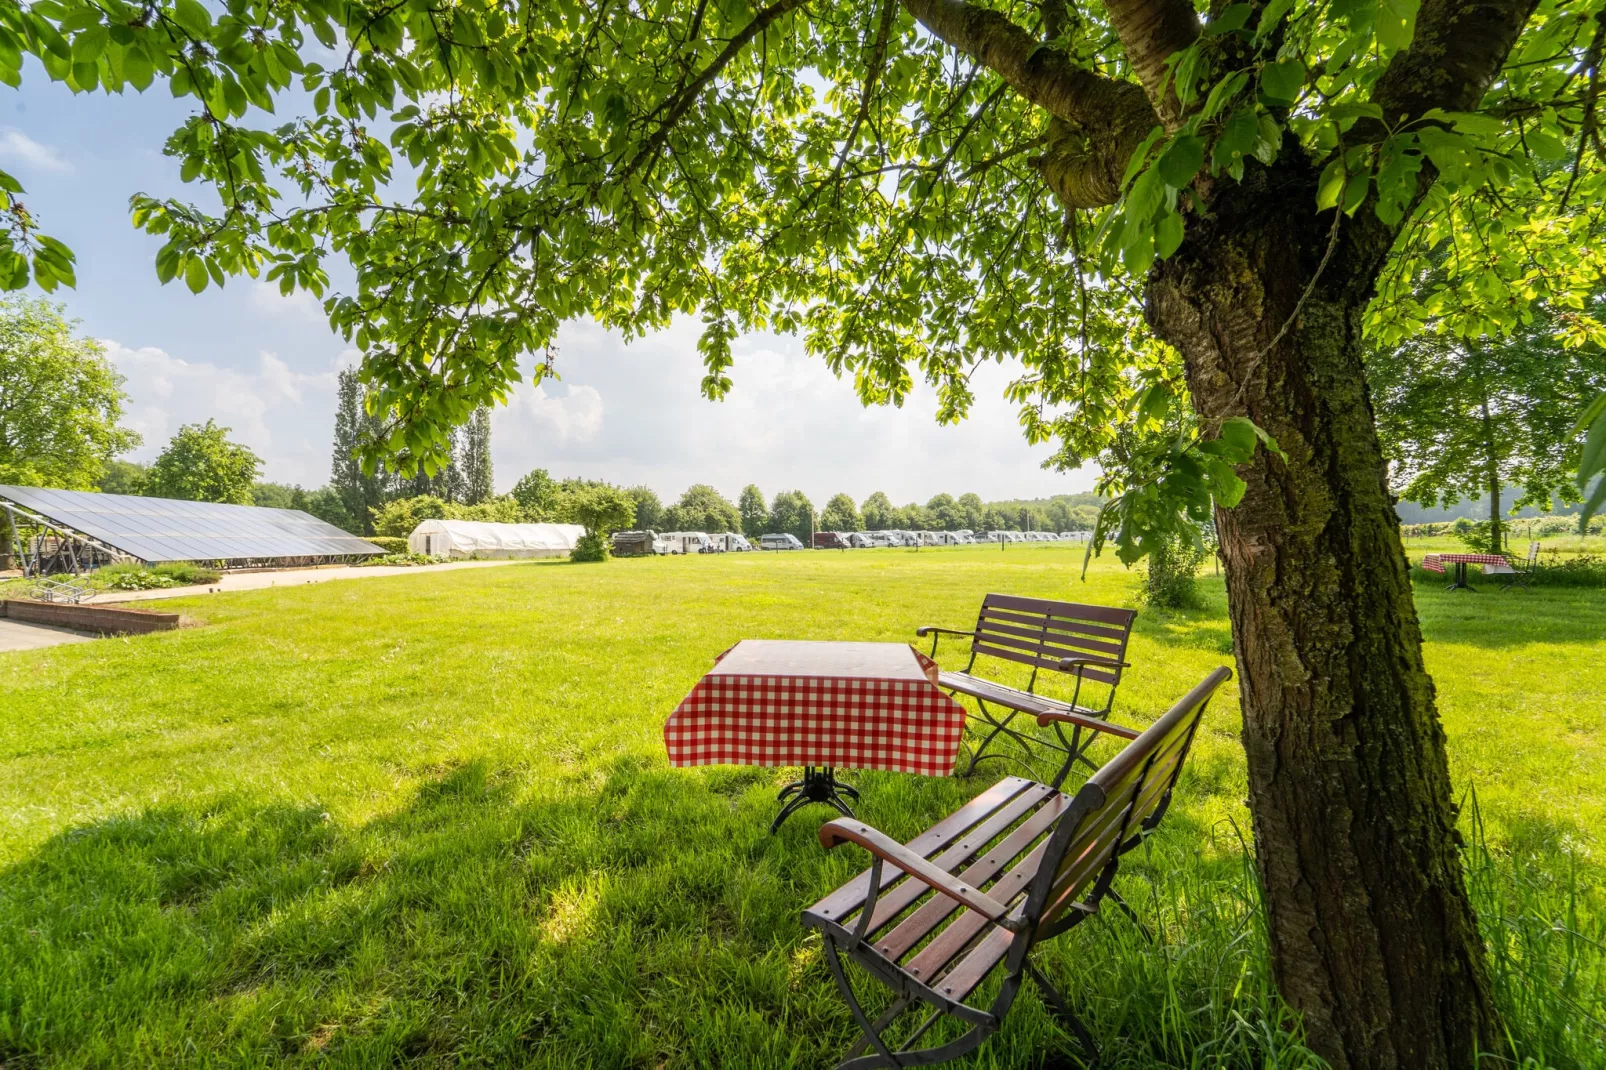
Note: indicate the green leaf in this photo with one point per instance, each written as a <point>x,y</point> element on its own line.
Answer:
<point>1238,136</point>
<point>1270,16</point>
<point>1331,185</point>
<point>1546,146</point>
<point>1281,82</point>
<point>193,17</point>
<point>1355,191</point>
<point>1181,160</point>
<point>1224,91</point>
<point>1468,122</point>
<point>1396,23</point>
<point>1140,155</point>
<point>195,274</point>
<point>1168,234</point>
<point>1233,18</point>
<point>88,45</point>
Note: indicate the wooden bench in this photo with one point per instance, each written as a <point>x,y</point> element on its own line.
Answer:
<point>1087,643</point>
<point>1020,863</point>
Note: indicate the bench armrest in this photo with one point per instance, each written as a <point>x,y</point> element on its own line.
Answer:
<point>1076,664</point>
<point>931,629</point>
<point>890,850</point>
<point>1077,720</point>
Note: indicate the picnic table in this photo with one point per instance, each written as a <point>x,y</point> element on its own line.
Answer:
<point>1436,563</point>
<point>821,705</point>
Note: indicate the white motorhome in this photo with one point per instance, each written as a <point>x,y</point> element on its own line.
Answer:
<point>731,542</point>
<point>930,538</point>
<point>690,542</point>
<point>860,540</point>
<point>782,541</point>
<point>1075,536</point>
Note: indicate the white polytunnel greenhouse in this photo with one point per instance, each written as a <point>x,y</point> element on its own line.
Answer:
<point>480,538</point>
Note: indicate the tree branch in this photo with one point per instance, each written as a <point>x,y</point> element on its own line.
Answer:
<point>1459,47</point>
<point>1114,116</point>
<point>681,103</point>
<point>1150,31</point>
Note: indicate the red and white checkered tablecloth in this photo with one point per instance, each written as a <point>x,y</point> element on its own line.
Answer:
<point>1474,559</point>
<point>852,705</point>
<point>1436,562</point>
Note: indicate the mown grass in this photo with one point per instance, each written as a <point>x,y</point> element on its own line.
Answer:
<point>428,818</point>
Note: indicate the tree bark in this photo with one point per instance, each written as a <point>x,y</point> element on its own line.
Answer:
<point>1373,939</point>
<point>1492,472</point>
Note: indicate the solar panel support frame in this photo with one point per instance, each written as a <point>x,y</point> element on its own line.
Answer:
<point>35,561</point>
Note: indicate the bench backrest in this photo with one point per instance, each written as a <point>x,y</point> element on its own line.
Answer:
<point>1039,632</point>
<point>1127,796</point>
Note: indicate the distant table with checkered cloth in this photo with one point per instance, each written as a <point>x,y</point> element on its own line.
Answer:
<point>818,705</point>
<point>1436,563</point>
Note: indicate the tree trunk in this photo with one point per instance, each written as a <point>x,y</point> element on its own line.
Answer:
<point>1373,939</point>
<point>1492,470</point>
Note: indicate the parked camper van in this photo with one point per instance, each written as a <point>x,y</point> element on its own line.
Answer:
<point>731,542</point>
<point>690,542</point>
<point>830,540</point>
<point>861,540</point>
<point>782,541</point>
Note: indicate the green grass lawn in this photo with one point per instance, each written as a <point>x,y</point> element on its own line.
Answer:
<point>429,818</point>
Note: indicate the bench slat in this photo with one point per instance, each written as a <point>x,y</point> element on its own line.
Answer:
<point>1055,624</point>
<point>949,829</point>
<point>894,901</point>
<point>1035,639</point>
<point>1104,614</point>
<point>931,913</point>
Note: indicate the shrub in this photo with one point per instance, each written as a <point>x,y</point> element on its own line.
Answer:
<point>391,544</point>
<point>129,576</point>
<point>398,518</point>
<point>405,558</point>
<point>592,546</point>
<point>1476,536</point>
<point>1572,570</point>
<point>187,573</point>
<point>1173,565</point>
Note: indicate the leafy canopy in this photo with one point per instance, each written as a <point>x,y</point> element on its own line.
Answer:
<point>60,401</point>
<point>200,464</point>
<point>1456,414</point>
<point>914,187</point>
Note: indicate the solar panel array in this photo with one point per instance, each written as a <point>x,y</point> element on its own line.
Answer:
<point>162,529</point>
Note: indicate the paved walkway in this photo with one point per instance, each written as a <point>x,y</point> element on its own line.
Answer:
<point>291,577</point>
<point>23,635</point>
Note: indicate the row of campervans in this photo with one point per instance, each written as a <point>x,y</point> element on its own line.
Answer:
<point>640,543</point>
<point>1037,536</point>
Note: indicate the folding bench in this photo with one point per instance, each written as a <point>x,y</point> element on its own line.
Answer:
<point>1086,643</point>
<point>972,896</point>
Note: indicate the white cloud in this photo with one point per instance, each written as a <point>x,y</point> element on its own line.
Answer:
<point>787,422</point>
<point>18,148</point>
<point>537,416</point>
<point>282,414</point>
<point>632,414</point>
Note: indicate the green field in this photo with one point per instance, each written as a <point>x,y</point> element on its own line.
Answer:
<point>429,818</point>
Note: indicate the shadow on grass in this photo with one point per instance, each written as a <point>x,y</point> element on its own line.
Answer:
<point>644,918</point>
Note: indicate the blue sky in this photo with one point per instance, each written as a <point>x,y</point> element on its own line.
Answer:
<point>265,365</point>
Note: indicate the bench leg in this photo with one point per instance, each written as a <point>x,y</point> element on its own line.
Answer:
<point>1062,1011</point>
<point>1115,897</point>
<point>1002,728</point>
<point>872,1030</point>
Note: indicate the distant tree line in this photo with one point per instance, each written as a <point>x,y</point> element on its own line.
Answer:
<point>702,508</point>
